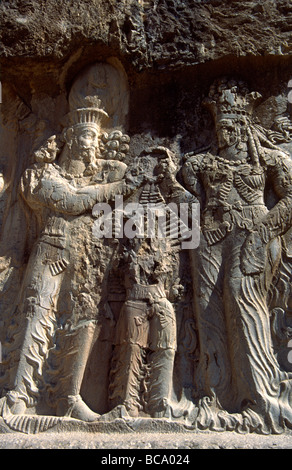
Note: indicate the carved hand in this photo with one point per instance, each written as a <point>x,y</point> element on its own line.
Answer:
<point>166,164</point>
<point>134,179</point>
<point>253,254</point>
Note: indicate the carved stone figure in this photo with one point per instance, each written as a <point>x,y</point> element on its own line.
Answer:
<point>61,296</point>
<point>239,382</point>
<point>146,332</point>
<point>145,335</point>
<point>135,328</point>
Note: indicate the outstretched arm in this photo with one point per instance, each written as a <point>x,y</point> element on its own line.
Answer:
<point>190,173</point>
<point>165,174</point>
<point>40,187</point>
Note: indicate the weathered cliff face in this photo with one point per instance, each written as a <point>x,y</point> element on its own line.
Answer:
<point>149,33</point>
<point>165,46</point>
<point>131,79</point>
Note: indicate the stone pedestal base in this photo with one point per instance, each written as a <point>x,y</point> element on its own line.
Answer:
<point>137,434</point>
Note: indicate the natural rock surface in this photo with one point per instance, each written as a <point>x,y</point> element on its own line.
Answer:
<point>154,33</point>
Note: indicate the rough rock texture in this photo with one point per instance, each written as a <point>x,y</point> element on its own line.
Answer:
<point>147,33</point>
<point>177,48</point>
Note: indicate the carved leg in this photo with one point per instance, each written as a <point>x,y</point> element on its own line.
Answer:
<point>40,294</point>
<point>38,338</point>
<point>160,382</point>
<point>128,363</point>
<point>162,343</point>
<point>74,354</point>
<point>127,375</point>
<point>213,375</point>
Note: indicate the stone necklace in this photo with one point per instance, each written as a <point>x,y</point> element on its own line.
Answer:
<point>231,162</point>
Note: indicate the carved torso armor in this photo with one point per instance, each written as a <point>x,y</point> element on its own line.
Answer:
<point>233,190</point>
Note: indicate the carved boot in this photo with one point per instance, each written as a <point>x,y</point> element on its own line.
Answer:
<point>70,404</point>
<point>160,381</point>
<point>38,338</point>
<point>129,363</point>
<point>16,403</point>
<point>128,369</point>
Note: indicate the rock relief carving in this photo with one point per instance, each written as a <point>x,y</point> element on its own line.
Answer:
<point>141,378</point>
<point>239,382</point>
<point>200,340</point>
<point>61,291</point>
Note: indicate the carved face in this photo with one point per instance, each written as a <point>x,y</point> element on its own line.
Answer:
<point>227,133</point>
<point>85,143</point>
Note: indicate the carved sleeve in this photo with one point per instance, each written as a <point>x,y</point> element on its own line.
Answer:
<point>190,173</point>
<point>42,188</point>
<point>279,218</point>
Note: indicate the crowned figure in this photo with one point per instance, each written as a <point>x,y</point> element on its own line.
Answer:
<point>239,383</point>
<point>61,304</point>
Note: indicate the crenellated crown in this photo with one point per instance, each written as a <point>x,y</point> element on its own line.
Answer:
<point>91,115</point>
<point>230,99</point>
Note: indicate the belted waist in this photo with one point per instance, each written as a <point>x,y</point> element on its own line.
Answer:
<point>54,240</point>
<point>146,292</point>
<point>236,215</point>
